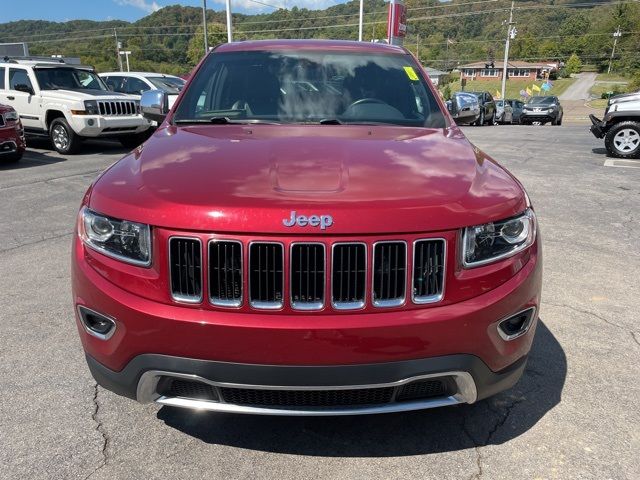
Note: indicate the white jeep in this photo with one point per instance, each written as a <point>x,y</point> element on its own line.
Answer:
<point>69,103</point>
<point>620,126</point>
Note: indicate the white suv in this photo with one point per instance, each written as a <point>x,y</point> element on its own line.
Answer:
<point>135,83</point>
<point>69,103</point>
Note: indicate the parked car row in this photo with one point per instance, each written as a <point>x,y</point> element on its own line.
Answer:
<point>480,108</point>
<point>70,103</point>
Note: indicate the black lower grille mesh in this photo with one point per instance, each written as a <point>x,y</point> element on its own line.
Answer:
<point>174,387</point>
<point>307,398</point>
<point>421,389</point>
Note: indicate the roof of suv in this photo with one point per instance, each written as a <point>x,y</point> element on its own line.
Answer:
<point>341,45</point>
<point>140,74</point>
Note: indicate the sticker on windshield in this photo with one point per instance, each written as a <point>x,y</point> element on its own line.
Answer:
<point>411,73</point>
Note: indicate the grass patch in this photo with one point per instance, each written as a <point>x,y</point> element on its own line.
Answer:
<point>611,77</point>
<point>513,87</point>
<point>598,103</point>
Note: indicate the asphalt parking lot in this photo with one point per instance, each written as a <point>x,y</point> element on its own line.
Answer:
<point>574,414</point>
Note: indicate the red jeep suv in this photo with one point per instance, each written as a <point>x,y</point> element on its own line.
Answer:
<point>306,233</point>
<point>12,144</point>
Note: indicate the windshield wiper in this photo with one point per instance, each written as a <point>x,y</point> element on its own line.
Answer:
<point>330,121</point>
<point>246,121</point>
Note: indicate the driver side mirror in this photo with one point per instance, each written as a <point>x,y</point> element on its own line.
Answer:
<point>154,105</point>
<point>23,87</point>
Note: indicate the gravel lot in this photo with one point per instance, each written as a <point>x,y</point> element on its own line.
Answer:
<point>574,414</point>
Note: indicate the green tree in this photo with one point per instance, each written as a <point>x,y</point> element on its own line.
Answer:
<point>574,64</point>
<point>216,34</point>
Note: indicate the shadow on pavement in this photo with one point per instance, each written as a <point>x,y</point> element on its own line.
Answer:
<point>32,159</point>
<point>599,151</point>
<point>492,421</point>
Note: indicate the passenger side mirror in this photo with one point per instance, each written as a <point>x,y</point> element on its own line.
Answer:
<point>154,105</point>
<point>22,87</point>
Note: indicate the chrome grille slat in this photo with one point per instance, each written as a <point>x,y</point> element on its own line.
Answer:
<point>120,107</point>
<point>307,278</point>
<point>349,275</point>
<point>225,273</point>
<point>389,273</point>
<point>429,261</point>
<point>185,265</point>
<point>266,272</point>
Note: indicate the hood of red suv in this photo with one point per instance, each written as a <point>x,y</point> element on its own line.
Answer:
<point>249,178</point>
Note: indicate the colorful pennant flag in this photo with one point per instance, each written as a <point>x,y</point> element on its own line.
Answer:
<point>498,95</point>
<point>528,90</point>
<point>535,88</point>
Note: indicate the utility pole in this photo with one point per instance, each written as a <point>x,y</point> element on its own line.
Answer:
<point>229,34</point>
<point>361,20</point>
<point>617,34</point>
<point>118,46</point>
<point>126,53</point>
<point>204,26</point>
<point>511,33</point>
<point>393,21</point>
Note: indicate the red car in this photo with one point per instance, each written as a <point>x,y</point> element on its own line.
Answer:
<point>306,233</point>
<point>12,144</point>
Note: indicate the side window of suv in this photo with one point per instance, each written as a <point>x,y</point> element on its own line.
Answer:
<point>114,83</point>
<point>2,70</point>
<point>135,86</point>
<point>18,76</point>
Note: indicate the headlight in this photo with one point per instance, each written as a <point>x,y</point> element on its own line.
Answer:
<point>91,107</point>
<point>11,116</point>
<point>120,239</point>
<point>488,243</point>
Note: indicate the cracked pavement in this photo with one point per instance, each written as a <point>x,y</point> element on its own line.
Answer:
<point>573,415</point>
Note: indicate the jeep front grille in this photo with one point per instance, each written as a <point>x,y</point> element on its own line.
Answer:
<point>389,273</point>
<point>428,269</point>
<point>225,273</point>
<point>349,276</point>
<point>266,275</point>
<point>307,276</point>
<point>117,107</point>
<point>263,274</point>
<point>185,262</point>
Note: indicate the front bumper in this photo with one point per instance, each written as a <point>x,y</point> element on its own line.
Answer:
<point>598,127</point>
<point>105,126</point>
<point>469,378</point>
<point>305,350</point>
<point>543,116</point>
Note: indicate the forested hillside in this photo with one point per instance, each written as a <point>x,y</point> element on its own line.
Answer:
<point>443,34</point>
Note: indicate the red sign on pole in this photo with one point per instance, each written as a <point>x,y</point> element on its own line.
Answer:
<point>399,28</point>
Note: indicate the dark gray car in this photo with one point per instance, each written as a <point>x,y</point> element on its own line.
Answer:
<point>542,110</point>
<point>487,108</point>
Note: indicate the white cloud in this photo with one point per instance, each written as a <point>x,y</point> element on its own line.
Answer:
<point>148,7</point>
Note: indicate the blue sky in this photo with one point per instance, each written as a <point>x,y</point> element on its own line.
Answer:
<point>130,10</point>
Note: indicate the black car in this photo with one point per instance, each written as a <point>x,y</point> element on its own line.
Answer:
<point>509,114</point>
<point>542,110</point>
<point>487,108</point>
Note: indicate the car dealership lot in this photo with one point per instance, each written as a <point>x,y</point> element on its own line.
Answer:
<point>573,415</point>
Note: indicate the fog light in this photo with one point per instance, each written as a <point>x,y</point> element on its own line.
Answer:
<point>516,325</point>
<point>96,324</point>
<point>90,122</point>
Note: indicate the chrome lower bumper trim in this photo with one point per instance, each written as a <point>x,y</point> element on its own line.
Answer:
<point>147,392</point>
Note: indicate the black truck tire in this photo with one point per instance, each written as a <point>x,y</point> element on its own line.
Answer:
<point>623,140</point>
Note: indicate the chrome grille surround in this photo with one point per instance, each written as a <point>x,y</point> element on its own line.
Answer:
<point>398,300</point>
<point>260,304</point>
<point>181,297</point>
<point>421,300</point>
<point>219,301</point>
<point>351,305</point>
<point>300,305</point>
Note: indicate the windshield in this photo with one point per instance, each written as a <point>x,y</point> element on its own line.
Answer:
<point>541,101</point>
<point>310,87</point>
<point>167,84</point>
<point>68,79</point>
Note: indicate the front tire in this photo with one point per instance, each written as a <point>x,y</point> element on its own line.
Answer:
<point>480,121</point>
<point>63,138</point>
<point>623,140</point>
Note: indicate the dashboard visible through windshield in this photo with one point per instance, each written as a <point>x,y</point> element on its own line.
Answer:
<point>310,87</point>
